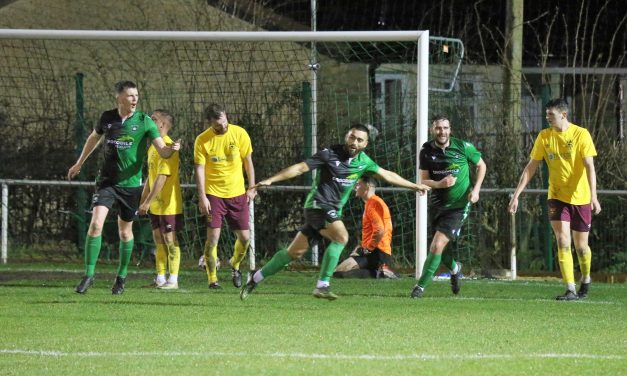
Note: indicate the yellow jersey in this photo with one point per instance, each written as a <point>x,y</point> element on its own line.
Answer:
<point>223,155</point>
<point>169,201</point>
<point>564,153</point>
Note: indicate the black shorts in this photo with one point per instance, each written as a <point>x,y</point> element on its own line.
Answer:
<point>126,198</point>
<point>316,220</point>
<point>373,259</point>
<point>449,221</point>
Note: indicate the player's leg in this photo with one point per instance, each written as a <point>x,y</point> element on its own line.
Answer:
<point>239,221</point>
<point>434,257</point>
<point>346,265</point>
<point>560,217</point>
<point>128,202</point>
<point>337,234</point>
<point>94,238</point>
<point>125,231</point>
<point>161,257</point>
<point>242,242</point>
<point>214,224</point>
<point>581,222</point>
<point>584,255</point>
<point>280,260</point>
<point>211,256</point>
<point>561,229</point>
<point>93,243</point>
<point>173,256</point>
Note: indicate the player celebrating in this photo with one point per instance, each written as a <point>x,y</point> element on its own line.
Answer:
<point>445,167</point>
<point>162,198</point>
<point>219,153</point>
<point>569,152</point>
<point>340,168</point>
<point>126,133</point>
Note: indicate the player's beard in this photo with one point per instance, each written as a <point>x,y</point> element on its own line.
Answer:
<point>442,144</point>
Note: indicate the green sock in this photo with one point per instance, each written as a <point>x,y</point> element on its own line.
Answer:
<point>126,251</point>
<point>429,269</point>
<point>276,263</point>
<point>448,260</point>
<point>329,260</point>
<point>92,250</point>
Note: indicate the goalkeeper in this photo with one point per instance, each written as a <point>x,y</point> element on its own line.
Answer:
<point>340,166</point>
<point>374,256</point>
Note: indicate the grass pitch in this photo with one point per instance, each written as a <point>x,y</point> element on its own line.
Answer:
<point>492,327</point>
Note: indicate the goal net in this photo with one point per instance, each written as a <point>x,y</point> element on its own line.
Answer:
<point>293,92</point>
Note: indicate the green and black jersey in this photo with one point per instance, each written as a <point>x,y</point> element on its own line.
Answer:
<point>454,160</point>
<point>338,173</point>
<point>125,147</point>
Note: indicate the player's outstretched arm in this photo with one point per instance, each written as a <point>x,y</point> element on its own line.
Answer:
<point>285,174</point>
<point>164,150</point>
<point>90,144</point>
<point>395,179</point>
<point>525,177</point>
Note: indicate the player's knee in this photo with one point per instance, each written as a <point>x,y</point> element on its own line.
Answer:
<point>126,236</point>
<point>95,229</point>
<point>582,250</point>
<point>341,238</point>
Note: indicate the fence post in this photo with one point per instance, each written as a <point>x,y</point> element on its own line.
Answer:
<point>5,221</point>
<point>512,239</point>
<point>79,131</point>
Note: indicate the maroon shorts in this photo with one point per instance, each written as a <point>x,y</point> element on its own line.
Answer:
<point>579,216</point>
<point>235,209</point>
<point>167,223</point>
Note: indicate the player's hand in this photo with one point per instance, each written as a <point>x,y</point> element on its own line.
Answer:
<point>473,196</point>
<point>447,181</point>
<point>513,205</point>
<point>143,209</point>
<point>596,206</point>
<point>422,189</point>
<point>251,193</point>
<point>73,171</point>
<point>262,184</point>
<point>176,145</point>
<point>204,206</point>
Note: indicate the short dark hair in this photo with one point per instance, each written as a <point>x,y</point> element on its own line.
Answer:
<point>360,127</point>
<point>213,111</point>
<point>166,115</point>
<point>121,86</point>
<point>369,179</point>
<point>558,103</point>
<point>439,117</point>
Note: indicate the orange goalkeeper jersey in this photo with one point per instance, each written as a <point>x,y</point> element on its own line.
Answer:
<point>377,219</point>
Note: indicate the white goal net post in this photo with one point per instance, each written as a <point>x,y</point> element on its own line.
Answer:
<point>421,83</point>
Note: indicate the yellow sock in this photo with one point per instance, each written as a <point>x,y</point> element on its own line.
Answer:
<point>211,256</point>
<point>174,258</point>
<point>239,251</point>
<point>565,257</point>
<point>585,262</point>
<point>161,258</point>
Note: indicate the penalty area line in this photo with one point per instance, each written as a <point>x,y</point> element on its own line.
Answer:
<point>375,357</point>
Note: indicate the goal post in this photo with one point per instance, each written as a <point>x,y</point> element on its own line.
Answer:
<point>364,76</point>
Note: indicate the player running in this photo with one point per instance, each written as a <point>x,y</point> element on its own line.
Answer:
<point>340,166</point>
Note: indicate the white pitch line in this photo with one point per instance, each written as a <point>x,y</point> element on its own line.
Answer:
<point>399,357</point>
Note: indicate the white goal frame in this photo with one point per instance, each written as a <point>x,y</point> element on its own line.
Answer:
<point>422,85</point>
